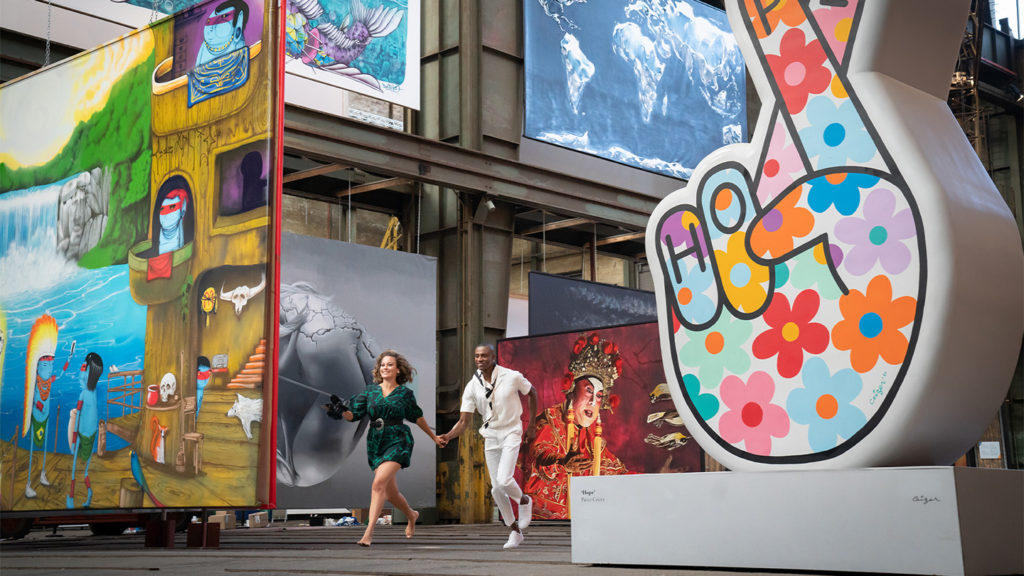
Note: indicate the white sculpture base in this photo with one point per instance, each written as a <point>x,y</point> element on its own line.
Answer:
<point>936,520</point>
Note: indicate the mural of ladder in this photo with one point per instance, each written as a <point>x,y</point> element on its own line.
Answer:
<point>251,375</point>
<point>129,397</point>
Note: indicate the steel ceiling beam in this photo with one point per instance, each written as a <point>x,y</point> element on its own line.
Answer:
<point>341,140</point>
<point>567,223</point>
<point>371,186</point>
<point>319,170</point>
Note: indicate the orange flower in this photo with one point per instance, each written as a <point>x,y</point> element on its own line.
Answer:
<point>788,12</point>
<point>775,232</point>
<point>871,325</point>
<point>743,280</point>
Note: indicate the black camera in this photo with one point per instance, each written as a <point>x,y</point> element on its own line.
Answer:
<point>336,407</point>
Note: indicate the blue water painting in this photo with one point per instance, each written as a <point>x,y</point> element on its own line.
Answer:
<point>655,84</point>
<point>94,310</point>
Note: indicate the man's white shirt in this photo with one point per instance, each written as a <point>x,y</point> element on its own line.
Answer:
<point>503,410</point>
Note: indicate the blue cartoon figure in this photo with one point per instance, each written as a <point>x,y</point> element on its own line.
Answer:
<point>224,31</point>
<point>222,65</point>
<point>40,376</point>
<point>84,424</point>
<point>202,379</point>
<point>172,215</point>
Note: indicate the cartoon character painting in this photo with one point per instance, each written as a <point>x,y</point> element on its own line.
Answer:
<point>84,424</point>
<point>203,374</point>
<point>223,61</point>
<point>39,378</point>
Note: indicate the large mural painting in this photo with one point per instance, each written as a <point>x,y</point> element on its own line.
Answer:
<point>342,304</point>
<point>654,84</point>
<point>604,410</point>
<point>811,283</point>
<point>136,235</point>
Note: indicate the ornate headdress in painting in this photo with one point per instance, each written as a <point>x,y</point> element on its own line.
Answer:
<point>597,360</point>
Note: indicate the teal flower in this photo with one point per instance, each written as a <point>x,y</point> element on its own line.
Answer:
<point>711,352</point>
<point>809,270</point>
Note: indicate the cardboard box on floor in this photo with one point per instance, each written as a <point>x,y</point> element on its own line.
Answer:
<point>259,520</point>
<point>226,519</point>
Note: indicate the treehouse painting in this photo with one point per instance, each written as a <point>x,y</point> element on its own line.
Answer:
<point>137,233</point>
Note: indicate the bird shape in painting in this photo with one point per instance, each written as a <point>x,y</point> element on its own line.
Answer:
<point>319,43</point>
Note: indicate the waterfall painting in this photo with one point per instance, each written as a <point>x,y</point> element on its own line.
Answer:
<point>136,242</point>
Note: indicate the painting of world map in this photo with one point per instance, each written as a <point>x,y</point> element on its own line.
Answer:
<point>654,84</point>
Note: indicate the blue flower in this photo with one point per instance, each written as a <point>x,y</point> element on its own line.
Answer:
<point>824,405</point>
<point>836,135</point>
<point>842,189</point>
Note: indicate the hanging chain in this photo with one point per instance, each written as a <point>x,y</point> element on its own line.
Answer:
<point>544,241</point>
<point>152,15</point>
<point>49,13</point>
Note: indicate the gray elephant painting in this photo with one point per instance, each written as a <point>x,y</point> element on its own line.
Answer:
<point>323,351</point>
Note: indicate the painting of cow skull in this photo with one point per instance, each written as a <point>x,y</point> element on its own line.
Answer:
<point>240,296</point>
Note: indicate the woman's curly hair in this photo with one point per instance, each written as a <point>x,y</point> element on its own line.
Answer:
<point>405,370</point>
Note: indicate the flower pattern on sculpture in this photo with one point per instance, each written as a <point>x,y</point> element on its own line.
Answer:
<point>743,280</point>
<point>705,404</point>
<point>751,417</point>
<point>816,249</point>
<point>878,236</point>
<point>836,135</point>
<point>780,226</point>
<point>810,269</point>
<point>717,349</point>
<point>871,325</point>
<point>787,12</point>
<point>791,332</point>
<point>841,189</point>
<point>824,405</point>
<point>782,166</point>
<point>799,67</point>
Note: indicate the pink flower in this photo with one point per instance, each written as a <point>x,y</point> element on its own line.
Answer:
<point>751,417</point>
<point>782,166</point>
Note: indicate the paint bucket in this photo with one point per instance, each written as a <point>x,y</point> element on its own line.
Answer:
<point>152,394</point>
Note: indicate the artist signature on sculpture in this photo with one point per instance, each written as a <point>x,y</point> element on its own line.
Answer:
<point>925,499</point>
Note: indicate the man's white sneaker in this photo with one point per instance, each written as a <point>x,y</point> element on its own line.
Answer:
<point>43,479</point>
<point>514,540</point>
<point>525,513</point>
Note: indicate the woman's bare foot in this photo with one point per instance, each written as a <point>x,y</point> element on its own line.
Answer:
<point>410,528</point>
<point>362,543</point>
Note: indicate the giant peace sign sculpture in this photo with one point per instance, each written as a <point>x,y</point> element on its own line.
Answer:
<point>846,290</point>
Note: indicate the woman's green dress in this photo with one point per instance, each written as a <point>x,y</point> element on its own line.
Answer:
<point>393,441</point>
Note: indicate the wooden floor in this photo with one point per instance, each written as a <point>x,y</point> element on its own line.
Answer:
<point>290,549</point>
<point>226,480</point>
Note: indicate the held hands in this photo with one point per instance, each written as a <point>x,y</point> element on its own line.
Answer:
<point>441,440</point>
